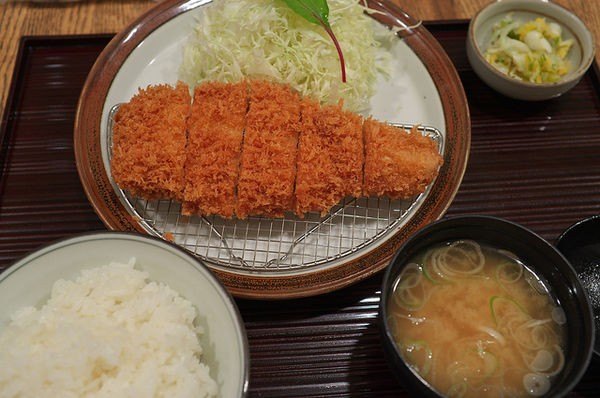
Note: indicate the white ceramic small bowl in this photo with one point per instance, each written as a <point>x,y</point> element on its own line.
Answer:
<point>580,56</point>
<point>29,281</point>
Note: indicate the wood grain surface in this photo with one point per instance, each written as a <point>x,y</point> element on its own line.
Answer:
<point>536,165</point>
<point>34,18</point>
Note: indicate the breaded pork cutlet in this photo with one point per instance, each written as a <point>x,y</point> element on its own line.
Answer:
<point>398,163</point>
<point>215,132</point>
<point>330,157</point>
<point>257,148</point>
<point>148,142</point>
<point>268,167</point>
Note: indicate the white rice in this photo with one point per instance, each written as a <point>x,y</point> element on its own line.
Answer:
<point>109,333</point>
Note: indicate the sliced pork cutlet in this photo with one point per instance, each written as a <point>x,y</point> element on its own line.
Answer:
<point>148,142</point>
<point>330,157</point>
<point>398,163</point>
<point>268,167</point>
<point>215,133</point>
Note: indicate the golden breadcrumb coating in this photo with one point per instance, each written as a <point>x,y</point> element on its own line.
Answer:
<point>398,163</point>
<point>268,167</point>
<point>258,148</point>
<point>330,157</point>
<point>148,143</point>
<point>215,132</point>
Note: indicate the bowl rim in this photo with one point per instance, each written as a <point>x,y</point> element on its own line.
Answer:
<point>574,227</point>
<point>586,60</point>
<point>90,236</point>
<point>390,276</point>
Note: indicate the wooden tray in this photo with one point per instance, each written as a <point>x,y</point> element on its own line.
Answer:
<point>536,164</point>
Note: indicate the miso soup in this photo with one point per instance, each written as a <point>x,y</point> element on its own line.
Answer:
<point>474,321</point>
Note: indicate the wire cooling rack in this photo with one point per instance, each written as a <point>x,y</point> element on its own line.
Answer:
<point>281,245</point>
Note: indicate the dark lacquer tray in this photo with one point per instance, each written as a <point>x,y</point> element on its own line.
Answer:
<point>534,163</point>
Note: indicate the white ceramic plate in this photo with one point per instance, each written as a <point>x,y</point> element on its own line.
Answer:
<point>424,89</point>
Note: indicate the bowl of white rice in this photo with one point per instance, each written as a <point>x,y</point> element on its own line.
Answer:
<point>114,314</point>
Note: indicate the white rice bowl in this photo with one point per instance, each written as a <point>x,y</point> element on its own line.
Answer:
<point>173,330</point>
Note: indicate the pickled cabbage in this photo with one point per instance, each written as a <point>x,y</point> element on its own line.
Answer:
<point>266,39</point>
<point>533,51</point>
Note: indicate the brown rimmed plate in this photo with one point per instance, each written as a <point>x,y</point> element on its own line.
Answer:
<point>277,258</point>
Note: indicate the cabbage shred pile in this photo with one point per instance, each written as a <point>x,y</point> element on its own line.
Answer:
<point>266,39</point>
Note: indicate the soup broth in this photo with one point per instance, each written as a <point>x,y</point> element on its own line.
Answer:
<point>475,322</point>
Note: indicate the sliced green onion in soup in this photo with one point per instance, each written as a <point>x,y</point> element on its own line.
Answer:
<point>419,355</point>
<point>459,259</point>
<point>474,362</point>
<point>493,333</point>
<point>546,362</point>
<point>509,272</point>
<point>536,334</point>
<point>559,316</point>
<point>542,362</point>
<point>409,292</point>
<point>536,384</point>
<point>457,390</point>
<point>500,305</point>
<point>431,270</point>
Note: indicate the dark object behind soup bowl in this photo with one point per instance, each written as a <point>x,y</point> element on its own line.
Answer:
<point>580,244</point>
<point>539,255</point>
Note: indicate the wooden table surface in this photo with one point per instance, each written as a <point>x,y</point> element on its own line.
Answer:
<point>33,18</point>
<point>535,165</point>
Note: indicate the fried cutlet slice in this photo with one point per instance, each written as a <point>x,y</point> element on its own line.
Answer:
<point>215,132</point>
<point>398,163</point>
<point>148,142</point>
<point>268,166</point>
<point>330,157</point>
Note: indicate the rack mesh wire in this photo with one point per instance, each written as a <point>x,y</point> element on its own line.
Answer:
<point>287,244</point>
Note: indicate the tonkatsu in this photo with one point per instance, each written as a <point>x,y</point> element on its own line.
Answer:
<point>257,148</point>
<point>268,168</point>
<point>398,163</point>
<point>330,157</point>
<point>214,145</point>
<point>149,140</point>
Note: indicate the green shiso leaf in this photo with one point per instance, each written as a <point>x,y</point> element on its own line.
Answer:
<point>317,11</point>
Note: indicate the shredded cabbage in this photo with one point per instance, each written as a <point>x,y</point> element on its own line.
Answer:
<point>533,51</point>
<point>266,39</point>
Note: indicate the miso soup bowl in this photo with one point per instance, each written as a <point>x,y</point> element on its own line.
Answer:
<point>541,257</point>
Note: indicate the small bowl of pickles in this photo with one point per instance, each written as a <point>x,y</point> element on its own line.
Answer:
<point>530,50</point>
